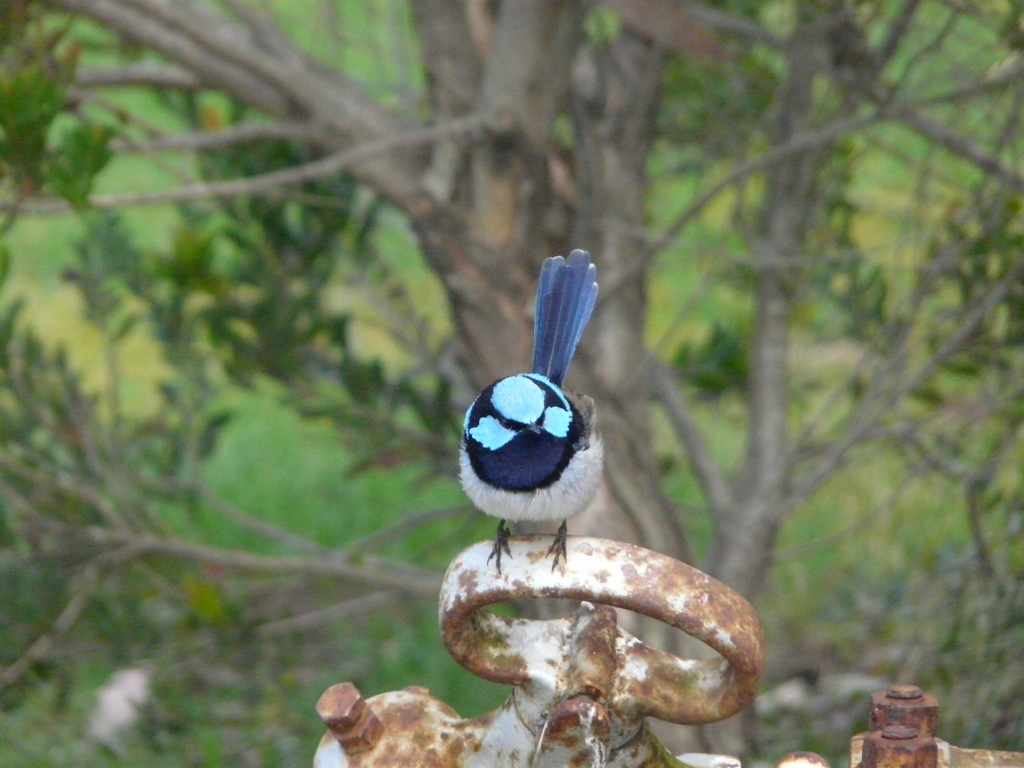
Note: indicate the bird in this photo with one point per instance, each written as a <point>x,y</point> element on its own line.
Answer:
<point>528,449</point>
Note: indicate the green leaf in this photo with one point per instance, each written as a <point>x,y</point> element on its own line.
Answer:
<point>717,365</point>
<point>72,166</point>
<point>30,100</point>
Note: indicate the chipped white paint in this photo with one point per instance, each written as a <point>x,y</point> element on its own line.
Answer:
<point>634,667</point>
<point>564,707</point>
<point>590,739</point>
<point>723,638</point>
<point>330,754</point>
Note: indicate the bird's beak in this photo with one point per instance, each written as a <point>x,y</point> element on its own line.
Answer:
<point>533,428</point>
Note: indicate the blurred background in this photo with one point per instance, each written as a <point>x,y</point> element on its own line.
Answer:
<point>259,256</point>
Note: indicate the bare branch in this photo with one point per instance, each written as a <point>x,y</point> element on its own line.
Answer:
<point>527,73</point>
<point>267,183</point>
<point>285,84</point>
<point>358,606</point>
<point>146,73</point>
<point>55,478</point>
<point>706,469</point>
<point>960,146</point>
<point>802,142</point>
<point>371,570</point>
<point>897,30</point>
<point>236,134</point>
<point>212,69</point>
<point>886,394</point>
<point>220,37</point>
<point>262,28</point>
<point>262,527</point>
<point>82,587</point>
<point>449,56</point>
<point>733,24</point>
<point>406,524</point>
<point>671,25</point>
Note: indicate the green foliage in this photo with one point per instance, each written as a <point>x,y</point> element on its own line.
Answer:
<point>78,156</point>
<point>713,110</point>
<point>224,687</point>
<point>719,364</point>
<point>30,100</point>
<point>36,152</point>
<point>602,25</point>
<point>259,372</point>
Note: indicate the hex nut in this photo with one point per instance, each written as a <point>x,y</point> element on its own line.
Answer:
<point>904,705</point>
<point>898,746</point>
<point>349,718</point>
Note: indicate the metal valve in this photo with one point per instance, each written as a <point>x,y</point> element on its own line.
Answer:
<point>582,686</point>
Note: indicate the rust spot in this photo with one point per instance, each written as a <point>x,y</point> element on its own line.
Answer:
<point>573,719</point>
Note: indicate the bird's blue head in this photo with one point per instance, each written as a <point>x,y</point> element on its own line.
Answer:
<point>521,432</point>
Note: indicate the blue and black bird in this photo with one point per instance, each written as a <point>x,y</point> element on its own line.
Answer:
<point>528,447</point>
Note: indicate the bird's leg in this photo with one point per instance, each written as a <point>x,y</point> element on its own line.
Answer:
<point>558,545</point>
<point>500,543</point>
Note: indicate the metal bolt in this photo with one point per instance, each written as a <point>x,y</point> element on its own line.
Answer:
<point>349,718</point>
<point>904,705</point>
<point>904,692</point>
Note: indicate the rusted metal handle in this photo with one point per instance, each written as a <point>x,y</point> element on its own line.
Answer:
<point>647,681</point>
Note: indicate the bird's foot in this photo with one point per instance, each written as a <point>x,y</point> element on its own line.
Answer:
<point>558,546</point>
<point>500,543</point>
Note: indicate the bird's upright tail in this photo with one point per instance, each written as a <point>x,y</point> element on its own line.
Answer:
<point>566,294</point>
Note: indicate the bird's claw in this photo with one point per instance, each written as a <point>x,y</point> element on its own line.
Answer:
<point>558,546</point>
<point>500,543</point>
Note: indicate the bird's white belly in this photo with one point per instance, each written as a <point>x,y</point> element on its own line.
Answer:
<point>568,496</point>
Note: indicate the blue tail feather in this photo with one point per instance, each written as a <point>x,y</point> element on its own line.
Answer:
<point>566,294</point>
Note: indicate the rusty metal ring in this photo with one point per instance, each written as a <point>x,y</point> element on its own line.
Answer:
<point>647,681</point>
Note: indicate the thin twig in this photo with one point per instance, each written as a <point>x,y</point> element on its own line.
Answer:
<point>960,146</point>
<point>82,586</point>
<point>406,524</point>
<point>270,183</point>
<point>313,619</point>
<point>716,491</point>
<point>147,73</point>
<point>797,145</point>
<point>254,524</point>
<point>874,408</point>
<point>193,141</point>
<point>372,570</point>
